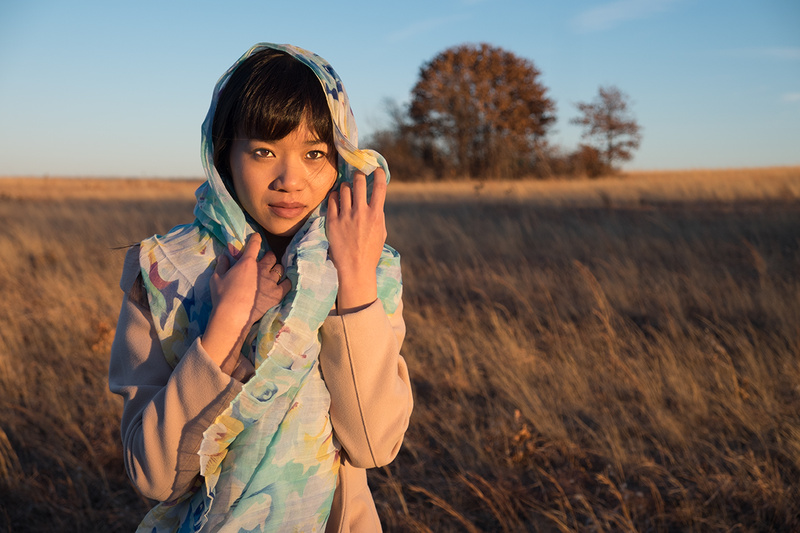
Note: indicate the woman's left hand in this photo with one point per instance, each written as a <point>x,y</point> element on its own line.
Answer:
<point>356,233</point>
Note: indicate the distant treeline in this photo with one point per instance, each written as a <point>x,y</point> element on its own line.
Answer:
<point>480,112</point>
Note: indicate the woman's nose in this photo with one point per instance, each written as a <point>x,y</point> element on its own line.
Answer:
<point>291,176</point>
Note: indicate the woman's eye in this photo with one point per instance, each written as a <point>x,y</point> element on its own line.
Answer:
<point>262,152</point>
<point>316,154</point>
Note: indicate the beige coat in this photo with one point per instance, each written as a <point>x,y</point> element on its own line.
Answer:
<point>166,410</point>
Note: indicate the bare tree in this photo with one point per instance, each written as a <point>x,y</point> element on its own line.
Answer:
<point>608,126</point>
<point>483,108</point>
<point>409,155</point>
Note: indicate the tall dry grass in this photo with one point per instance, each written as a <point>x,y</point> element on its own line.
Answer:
<point>598,361</point>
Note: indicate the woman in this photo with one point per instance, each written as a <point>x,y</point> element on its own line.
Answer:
<point>257,390</point>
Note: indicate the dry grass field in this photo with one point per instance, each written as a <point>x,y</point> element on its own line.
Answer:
<point>610,355</point>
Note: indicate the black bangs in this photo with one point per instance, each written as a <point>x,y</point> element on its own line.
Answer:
<point>271,111</point>
<point>266,98</point>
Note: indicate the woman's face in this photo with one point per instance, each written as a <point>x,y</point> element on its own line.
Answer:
<point>279,183</point>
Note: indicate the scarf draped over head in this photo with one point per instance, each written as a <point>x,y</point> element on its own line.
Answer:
<point>269,461</point>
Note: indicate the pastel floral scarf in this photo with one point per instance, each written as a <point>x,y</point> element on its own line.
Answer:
<point>269,462</point>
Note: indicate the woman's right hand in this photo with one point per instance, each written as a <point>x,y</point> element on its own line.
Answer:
<point>242,290</point>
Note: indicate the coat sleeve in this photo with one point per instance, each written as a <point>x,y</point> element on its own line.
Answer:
<point>368,381</point>
<point>165,410</point>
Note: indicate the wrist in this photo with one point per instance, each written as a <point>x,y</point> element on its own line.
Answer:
<point>228,317</point>
<point>356,292</point>
<point>222,340</point>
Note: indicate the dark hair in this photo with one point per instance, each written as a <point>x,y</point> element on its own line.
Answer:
<point>266,98</point>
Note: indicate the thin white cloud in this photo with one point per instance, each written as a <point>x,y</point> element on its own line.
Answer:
<point>791,97</point>
<point>612,14</point>
<point>423,26</point>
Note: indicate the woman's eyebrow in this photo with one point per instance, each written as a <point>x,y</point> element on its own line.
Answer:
<point>310,141</point>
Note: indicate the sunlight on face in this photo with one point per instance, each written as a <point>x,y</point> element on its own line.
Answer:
<point>279,183</point>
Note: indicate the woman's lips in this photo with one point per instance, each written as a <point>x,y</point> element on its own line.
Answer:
<point>287,209</point>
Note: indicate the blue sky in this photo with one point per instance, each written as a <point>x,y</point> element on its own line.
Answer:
<point>105,88</point>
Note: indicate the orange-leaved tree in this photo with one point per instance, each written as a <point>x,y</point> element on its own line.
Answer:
<point>482,109</point>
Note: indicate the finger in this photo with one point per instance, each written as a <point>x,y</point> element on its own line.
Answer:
<point>267,296</point>
<point>333,204</point>
<point>269,260</point>
<point>223,263</point>
<point>251,247</point>
<point>285,286</point>
<point>359,189</point>
<point>266,278</point>
<point>276,271</point>
<point>268,268</point>
<point>345,198</point>
<point>379,187</point>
